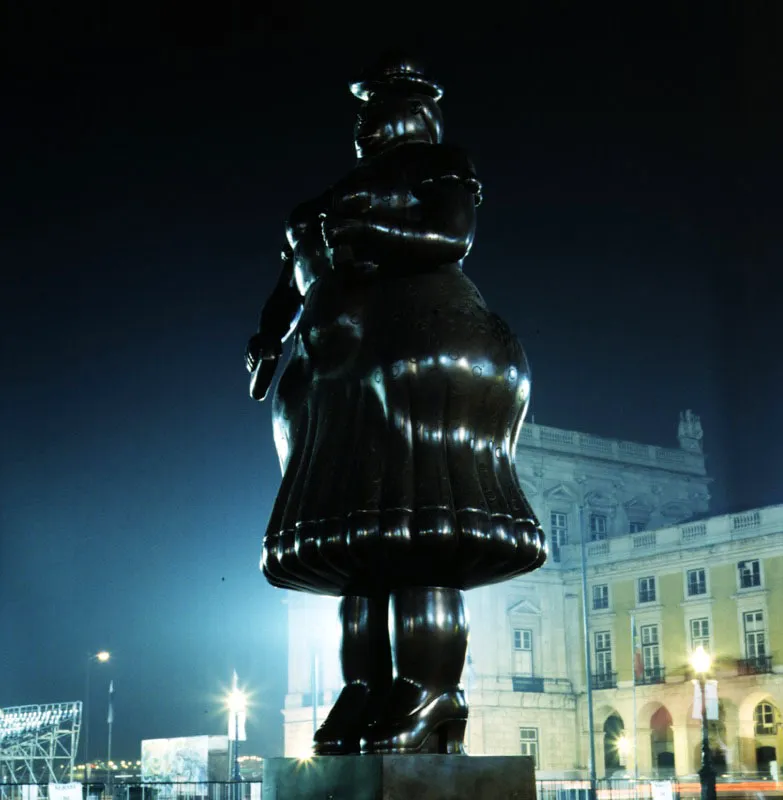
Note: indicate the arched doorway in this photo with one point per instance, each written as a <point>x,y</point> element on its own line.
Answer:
<point>662,743</point>
<point>766,725</point>
<point>614,737</point>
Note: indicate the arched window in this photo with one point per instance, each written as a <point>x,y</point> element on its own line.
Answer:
<point>764,716</point>
<point>614,742</point>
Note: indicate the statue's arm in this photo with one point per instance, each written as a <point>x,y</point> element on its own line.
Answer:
<point>278,320</point>
<point>441,231</point>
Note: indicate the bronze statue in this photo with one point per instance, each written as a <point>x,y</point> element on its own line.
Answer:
<point>395,420</point>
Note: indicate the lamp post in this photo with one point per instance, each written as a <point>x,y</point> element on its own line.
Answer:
<point>700,661</point>
<point>236,701</point>
<point>101,657</point>
<point>588,665</point>
<point>110,724</point>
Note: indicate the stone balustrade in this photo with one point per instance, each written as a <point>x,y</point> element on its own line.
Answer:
<point>729,527</point>
<point>674,459</point>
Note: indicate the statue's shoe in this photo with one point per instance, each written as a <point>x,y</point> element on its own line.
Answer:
<point>341,732</point>
<point>435,726</point>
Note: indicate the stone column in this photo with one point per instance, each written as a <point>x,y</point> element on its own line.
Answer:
<point>644,752</point>
<point>600,755</point>
<point>746,746</point>
<point>682,754</point>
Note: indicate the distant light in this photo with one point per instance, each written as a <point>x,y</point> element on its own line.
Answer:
<point>103,656</point>
<point>623,745</point>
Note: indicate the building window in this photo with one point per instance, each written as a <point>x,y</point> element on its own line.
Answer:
<point>764,717</point>
<point>636,527</point>
<point>700,634</point>
<point>755,642</point>
<point>528,743</point>
<point>651,654</point>
<point>647,590</point>
<point>749,574</point>
<point>597,527</point>
<point>600,597</point>
<point>523,639</point>
<point>558,532</point>
<point>697,582</point>
<point>603,654</point>
<point>523,651</point>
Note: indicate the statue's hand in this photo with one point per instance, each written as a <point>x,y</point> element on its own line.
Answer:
<point>337,231</point>
<point>261,348</point>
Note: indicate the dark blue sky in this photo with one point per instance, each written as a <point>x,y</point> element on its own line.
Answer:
<point>631,235</point>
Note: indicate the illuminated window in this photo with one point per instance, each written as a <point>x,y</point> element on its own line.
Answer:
<point>764,717</point>
<point>651,654</point>
<point>603,654</point>
<point>755,635</point>
<point>700,634</point>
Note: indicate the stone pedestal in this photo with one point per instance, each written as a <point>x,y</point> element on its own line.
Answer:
<point>397,777</point>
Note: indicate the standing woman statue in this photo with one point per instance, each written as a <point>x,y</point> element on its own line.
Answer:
<point>395,420</point>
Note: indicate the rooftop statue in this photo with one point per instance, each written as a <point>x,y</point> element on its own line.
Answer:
<point>396,420</point>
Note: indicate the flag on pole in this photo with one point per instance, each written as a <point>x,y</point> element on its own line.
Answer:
<point>638,660</point>
<point>110,717</point>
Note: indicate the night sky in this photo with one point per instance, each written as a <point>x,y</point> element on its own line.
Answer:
<point>631,235</point>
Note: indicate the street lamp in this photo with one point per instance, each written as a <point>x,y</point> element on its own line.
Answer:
<point>101,657</point>
<point>236,702</point>
<point>701,661</point>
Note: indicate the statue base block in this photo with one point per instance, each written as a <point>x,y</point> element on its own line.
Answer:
<point>400,777</point>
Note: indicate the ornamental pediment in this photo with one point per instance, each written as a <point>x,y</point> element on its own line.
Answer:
<point>598,499</point>
<point>525,606</point>
<point>561,493</point>
<point>639,506</point>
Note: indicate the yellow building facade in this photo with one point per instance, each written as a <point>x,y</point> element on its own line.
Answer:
<point>717,582</point>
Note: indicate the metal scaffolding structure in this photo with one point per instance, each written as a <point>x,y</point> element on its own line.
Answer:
<point>38,744</point>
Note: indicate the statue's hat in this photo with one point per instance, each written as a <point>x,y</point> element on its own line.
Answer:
<point>395,71</point>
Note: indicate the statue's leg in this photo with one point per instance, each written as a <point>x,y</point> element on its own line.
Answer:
<point>426,709</point>
<point>367,671</point>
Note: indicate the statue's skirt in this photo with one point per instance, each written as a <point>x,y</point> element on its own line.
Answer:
<point>396,421</point>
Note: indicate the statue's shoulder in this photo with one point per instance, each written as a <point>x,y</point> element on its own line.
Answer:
<point>434,162</point>
<point>304,217</point>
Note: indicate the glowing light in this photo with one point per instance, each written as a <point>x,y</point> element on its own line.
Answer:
<point>623,745</point>
<point>103,656</point>
<point>236,701</point>
<point>701,660</point>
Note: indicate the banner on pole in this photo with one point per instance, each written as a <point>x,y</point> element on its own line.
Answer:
<point>711,695</point>
<point>110,717</point>
<point>236,726</point>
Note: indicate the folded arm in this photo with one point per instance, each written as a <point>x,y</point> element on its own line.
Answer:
<point>442,230</point>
